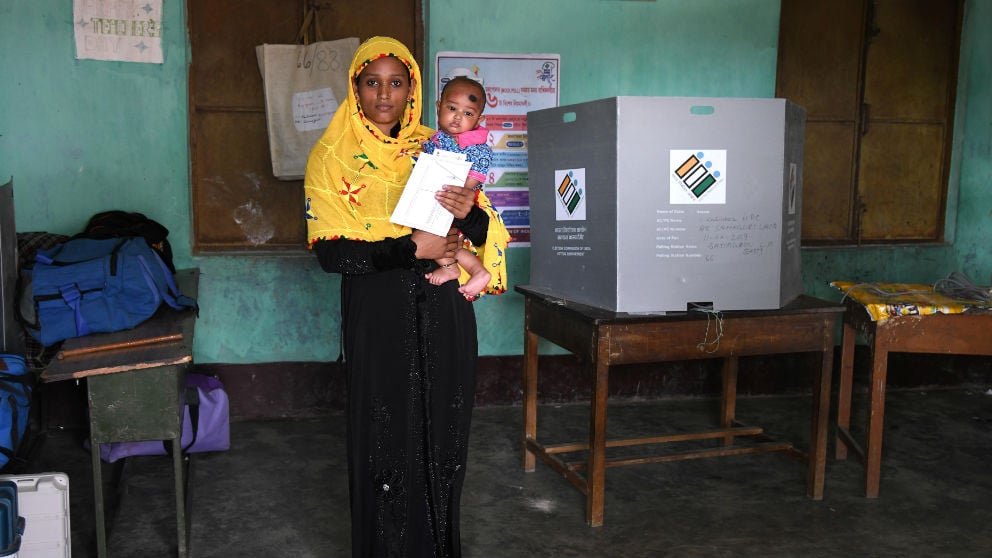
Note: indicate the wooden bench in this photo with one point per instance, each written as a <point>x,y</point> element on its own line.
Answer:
<point>932,325</point>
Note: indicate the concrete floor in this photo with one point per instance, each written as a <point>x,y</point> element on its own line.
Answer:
<point>281,489</point>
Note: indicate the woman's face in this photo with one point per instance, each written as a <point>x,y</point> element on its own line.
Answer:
<point>383,88</point>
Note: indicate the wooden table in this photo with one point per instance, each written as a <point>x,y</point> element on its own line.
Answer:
<point>602,338</point>
<point>958,334</point>
<point>135,390</point>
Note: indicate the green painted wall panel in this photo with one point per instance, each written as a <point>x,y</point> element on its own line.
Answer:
<point>617,47</point>
<point>82,136</point>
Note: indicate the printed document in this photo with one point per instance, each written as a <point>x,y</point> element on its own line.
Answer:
<point>417,207</point>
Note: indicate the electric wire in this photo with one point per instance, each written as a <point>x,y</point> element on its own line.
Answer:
<point>715,318</point>
<point>958,285</point>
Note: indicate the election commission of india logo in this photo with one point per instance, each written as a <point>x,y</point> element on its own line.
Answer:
<point>698,176</point>
<point>570,195</point>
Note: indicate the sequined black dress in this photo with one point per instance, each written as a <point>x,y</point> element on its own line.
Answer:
<point>410,354</point>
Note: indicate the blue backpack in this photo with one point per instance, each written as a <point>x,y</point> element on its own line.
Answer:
<point>15,404</point>
<point>87,285</point>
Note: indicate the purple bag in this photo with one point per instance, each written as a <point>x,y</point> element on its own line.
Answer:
<point>206,424</point>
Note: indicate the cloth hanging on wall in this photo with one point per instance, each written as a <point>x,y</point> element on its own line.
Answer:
<point>304,84</point>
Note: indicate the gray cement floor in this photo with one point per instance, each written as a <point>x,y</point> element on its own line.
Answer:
<point>281,489</point>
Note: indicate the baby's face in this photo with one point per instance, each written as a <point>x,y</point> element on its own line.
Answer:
<point>459,109</point>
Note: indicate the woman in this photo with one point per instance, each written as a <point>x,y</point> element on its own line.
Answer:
<point>410,347</point>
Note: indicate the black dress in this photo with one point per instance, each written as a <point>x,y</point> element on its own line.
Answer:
<point>410,353</point>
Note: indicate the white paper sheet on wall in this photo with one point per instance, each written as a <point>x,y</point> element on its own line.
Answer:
<point>118,30</point>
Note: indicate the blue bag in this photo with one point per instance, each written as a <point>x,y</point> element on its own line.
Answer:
<point>87,285</point>
<point>15,404</point>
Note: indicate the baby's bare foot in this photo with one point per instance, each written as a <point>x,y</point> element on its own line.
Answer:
<point>476,284</point>
<point>442,275</point>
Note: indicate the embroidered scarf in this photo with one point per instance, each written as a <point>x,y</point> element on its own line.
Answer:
<point>355,174</point>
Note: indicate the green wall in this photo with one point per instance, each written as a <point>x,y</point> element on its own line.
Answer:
<point>81,136</point>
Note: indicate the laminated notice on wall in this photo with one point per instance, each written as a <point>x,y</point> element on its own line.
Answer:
<point>118,30</point>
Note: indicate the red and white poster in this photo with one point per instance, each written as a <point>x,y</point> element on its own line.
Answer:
<point>515,84</point>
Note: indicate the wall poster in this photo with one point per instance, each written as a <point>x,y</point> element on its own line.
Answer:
<point>118,30</point>
<point>515,84</point>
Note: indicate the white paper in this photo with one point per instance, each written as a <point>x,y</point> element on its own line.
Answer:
<point>312,110</point>
<point>417,207</point>
<point>120,30</point>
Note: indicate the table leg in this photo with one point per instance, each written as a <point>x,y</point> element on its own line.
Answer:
<point>180,488</point>
<point>530,397</point>
<point>844,389</point>
<point>728,401</point>
<point>876,410</point>
<point>817,460</point>
<point>596,482</point>
<point>99,521</point>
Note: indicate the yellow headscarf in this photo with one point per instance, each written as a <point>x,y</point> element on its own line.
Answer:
<point>355,174</point>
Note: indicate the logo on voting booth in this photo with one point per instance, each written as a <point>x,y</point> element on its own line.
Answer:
<point>571,195</point>
<point>698,176</point>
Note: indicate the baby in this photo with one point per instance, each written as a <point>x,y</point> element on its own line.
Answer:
<point>458,113</point>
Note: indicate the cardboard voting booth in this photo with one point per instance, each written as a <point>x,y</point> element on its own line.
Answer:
<point>658,204</point>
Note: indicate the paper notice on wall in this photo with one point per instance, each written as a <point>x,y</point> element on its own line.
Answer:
<point>312,110</point>
<point>118,30</point>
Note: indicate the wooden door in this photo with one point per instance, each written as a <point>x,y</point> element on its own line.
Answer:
<point>877,79</point>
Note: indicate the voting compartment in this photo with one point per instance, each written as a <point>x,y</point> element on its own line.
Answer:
<point>658,204</point>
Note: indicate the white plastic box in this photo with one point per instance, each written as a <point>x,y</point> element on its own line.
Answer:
<point>658,204</point>
<point>43,502</point>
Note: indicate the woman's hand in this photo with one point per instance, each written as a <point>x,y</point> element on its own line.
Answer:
<point>434,247</point>
<point>456,199</point>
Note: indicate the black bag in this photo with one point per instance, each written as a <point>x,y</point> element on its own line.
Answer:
<point>124,224</point>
